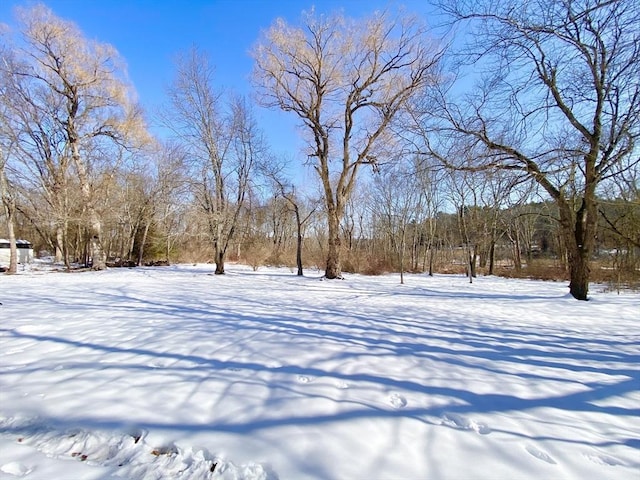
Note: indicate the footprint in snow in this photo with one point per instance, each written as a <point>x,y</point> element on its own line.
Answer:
<point>540,455</point>
<point>603,459</point>
<point>159,364</point>
<point>463,423</point>
<point>397,401</point>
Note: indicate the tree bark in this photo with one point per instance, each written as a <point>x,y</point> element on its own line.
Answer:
<point>517,259</point>
<point>579,233</point>
<point>142,244</point>
<point>579,271</point>
<point>432,253</point>
<point>219,249</point>
<point>299,240</point>
<point>9,206</point>
<point>334,267</point>
<point>219,260</point>
<point>58,255</point>
<point>492,257</point>
<point>98,258</point>
<point>13,248</point>
<point>94,227</point>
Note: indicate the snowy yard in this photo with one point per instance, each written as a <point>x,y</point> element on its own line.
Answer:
<point>162,373</point>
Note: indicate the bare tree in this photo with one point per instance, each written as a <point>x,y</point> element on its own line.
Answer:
<point>274,172</point>
<point>39,164</point>
<point>621,208</point>
<point>223,141</point>
<point>79,103</point>
<point>171,194</point>
<point>560,103</point>
<point>430,178</point>
<point>463,194</point>
<point>7,197</point>
<point>400,206</point>
<point>346,81</point>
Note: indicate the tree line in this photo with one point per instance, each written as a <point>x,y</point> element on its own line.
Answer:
<point>536,163</point>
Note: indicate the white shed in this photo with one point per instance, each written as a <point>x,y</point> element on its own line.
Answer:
<point>25,252</point>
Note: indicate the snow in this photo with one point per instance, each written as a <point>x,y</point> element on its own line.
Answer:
<point>173,372</point>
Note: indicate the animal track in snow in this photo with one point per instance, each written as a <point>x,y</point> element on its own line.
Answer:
<point>540,455</point>
<point>159,364</point>
<point>463,423</point>
<point>397,401</point>
<point>601,459</point>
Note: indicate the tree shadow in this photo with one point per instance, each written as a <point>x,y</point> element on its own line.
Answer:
<point>353,330</point>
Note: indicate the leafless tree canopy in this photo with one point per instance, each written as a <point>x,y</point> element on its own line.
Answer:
<point>531,171</point>
<point>559,102</point>
<point>346,81</point>
<point>70,108</point>
<point>222,141</point>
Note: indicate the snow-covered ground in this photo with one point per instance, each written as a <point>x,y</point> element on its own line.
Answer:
<point>172,372</point>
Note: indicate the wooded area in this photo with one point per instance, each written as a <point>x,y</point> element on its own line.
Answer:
<point>534,171</point>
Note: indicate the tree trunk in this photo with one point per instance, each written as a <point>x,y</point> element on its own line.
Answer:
<point>299,255</point>
<point>9,205</point>
<point>62,246</point>
<point>142,244</point>
<point>13,253</point>
<point>402,248</point>
<point>492,257</point>
<point>133,231</point>
<point>432,254</point>
<point>579,234</point>
<point>98,257</point>
<point>334,267</point>
<point>517,259</point>
<point>219,254</point>
<point>59,256</point>
<point>299,242</point>
<point>579,271</point>
<point>96,252</point>
<point>471,256</point>
<point>219,249</point>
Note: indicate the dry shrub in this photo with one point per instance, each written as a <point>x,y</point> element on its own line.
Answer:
<point>201,255</point>
<point>281,259</point>
<point>536,271</point>
<point>616,279</point>
<point>256,256</point>
<point>453,268</point>
<point>378,266</point>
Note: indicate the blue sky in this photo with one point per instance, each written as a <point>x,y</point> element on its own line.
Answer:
<point>150,33</point>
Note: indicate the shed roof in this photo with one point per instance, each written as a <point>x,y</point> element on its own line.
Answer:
<point>18,242</point>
